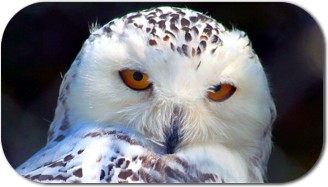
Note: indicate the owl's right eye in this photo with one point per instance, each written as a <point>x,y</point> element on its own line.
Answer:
<point>135,80</point>
<point>221,92</point>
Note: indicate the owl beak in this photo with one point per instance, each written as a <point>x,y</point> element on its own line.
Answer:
<point>173,134</point>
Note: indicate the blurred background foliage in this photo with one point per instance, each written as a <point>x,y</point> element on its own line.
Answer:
<point>42,40</point>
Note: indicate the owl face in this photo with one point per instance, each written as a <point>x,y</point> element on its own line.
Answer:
<point>174,75</point>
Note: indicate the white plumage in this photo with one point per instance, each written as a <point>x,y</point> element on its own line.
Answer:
<point>161,95</point>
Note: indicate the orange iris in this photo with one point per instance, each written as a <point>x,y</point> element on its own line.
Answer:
<point>221,92</point>
<point>135,80</point>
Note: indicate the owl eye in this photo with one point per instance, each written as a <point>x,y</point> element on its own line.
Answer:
<point>135,80</point>
<point>221,92</point>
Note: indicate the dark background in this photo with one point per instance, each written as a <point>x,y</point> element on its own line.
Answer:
<point>42,40</point>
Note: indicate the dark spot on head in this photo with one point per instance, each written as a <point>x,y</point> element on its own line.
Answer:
<point>80,151</point>
<point>134,158</point>
<point>102,175</point>
<point>159,165</point>
<point>194,28</point>
<point>110,167</point>
<point>138,26</point>
<point>134,178</point>
<point>109,179</point>
<point>185,22</point>
<point>172,46</point>
<point>68,158</point>
<point>120,162</point>
<point>152,42</point>
<point>186,29</point>
<point>107,29</point>
<point>185,49</point>
<point>183,163</point>
<point>78,173</point>
<point>113,158</point>
<point>175,16</point>
<point>202,37</point>
<point>127,163</point>
<point>188,37</point>
<point>57,164</point>
<point>161,24</point>
<point>159,10</point>
<point>129,21</point>
<point>163,16</point>
<point>151,14</point>
<point>208,30</point>
<point>93,134</point>
<point>127,139</point>
<point>153,31</point>
<point>173,27</point>
<point>215,38</point>
<point>193,52</point>
<point>42,177</point>
<point>179,50</point>
<point>179,11</point>
<point>202,17</point>
<point>148,29</point>
<point>203,44</point>
<point>213,50</point>
<point>200,62</point>
<point>166,37</point>
<point>45,177</point>
<point>65,123</point>
<point>194,19</point>
<point>170,33</point>
<point>124,174</point>
<point>152,21</point>
<point>135,16</point>
<point>112,132</point>
<point>59,138</point>
<point>207,177</point>
<point>174,173</point>
<point>199,51</point>
<point>174,20</point>
<point>35,177</point>
<point>60,177</point>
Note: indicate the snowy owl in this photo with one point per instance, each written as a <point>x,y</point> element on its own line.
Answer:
<point>164,95</point>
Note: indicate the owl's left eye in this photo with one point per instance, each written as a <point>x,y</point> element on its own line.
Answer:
<point>221,92</point>
<point>135,80</point>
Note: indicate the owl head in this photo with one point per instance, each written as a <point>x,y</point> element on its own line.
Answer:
<point>174,75</point>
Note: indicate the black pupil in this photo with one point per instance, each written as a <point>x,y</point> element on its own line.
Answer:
<point>137,76</point>
<point>216,88</point>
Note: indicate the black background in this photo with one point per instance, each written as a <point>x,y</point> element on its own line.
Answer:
<point>42,40</point>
